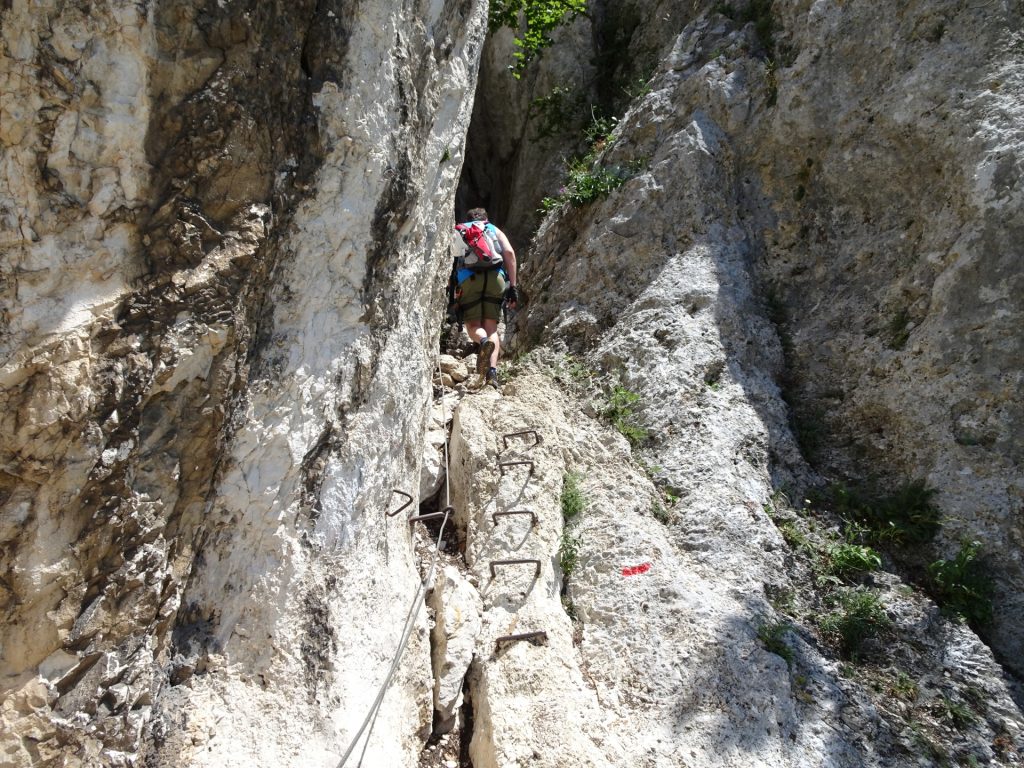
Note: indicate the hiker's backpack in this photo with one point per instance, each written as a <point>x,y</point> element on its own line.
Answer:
<point>484,248</point>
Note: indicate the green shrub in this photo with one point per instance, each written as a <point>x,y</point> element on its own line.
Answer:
<point>619,412</point>
<point>572,500</point>
<point>907,517</point>
<point>586,184</point>
<point>848,559</point>
<point>861,617</point>
<point>961,586</point>
<point>539,19</point>
<point>586,181</point>
<point>599,130</point>
<point>770,634</point>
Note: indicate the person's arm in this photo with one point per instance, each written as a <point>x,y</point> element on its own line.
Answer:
<point>508,255</point>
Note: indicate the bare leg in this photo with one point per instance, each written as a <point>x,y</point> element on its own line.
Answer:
<point>476,331</point>
<point>490,328</point>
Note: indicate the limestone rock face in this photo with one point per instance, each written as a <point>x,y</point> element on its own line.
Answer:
<point>653,636</point>
<point>457,613</point>
<point>201,207</point>
<point>867,206</point>
<point>899,264</point>
<point>512,684</point>
<point>225,228</point>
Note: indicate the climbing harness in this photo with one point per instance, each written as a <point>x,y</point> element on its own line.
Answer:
<point>464,307</point>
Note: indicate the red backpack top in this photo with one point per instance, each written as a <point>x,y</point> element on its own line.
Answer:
<point>484,250</point>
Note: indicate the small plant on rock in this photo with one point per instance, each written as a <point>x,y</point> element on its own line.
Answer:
<point>847,559</point>
<point>577,370</point>
<point>620,413</point>
<point>795,537</point>
<point>586,183</point>
<point>956,713</point>
<point>586,179</point>
<point>903,686</point>
<point>861,618</point>
<point>897,331</point>
<point>906,517</point>
<point>568,553</point>
<point>597,133</point>
<point>962,587</point>
<point>771,634</point>
<point>660,513</point>
<point>573,501</point>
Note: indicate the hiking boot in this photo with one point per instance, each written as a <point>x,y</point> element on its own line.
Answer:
<point>483,358</point>
<point>492,378</point>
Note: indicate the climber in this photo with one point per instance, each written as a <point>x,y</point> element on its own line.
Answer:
<point>484,277</point>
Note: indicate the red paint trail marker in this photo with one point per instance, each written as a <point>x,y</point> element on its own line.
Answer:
<point>636,570</point>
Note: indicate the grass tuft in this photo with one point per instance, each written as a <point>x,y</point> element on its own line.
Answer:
<point>621,414</point>
<point>573,501</point>
<point>861,617</point>
<point>568,553</point>
<point>771,634</point>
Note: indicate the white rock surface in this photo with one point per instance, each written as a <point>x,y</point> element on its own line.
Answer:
<point>224,228</point>
<point>215,352</point>
<point>457,622</point>
<point>513,685</point>
<point>854,199</point>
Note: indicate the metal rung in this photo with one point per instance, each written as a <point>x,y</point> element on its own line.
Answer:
<point>504,464</point>
<point>523,636</point>
<point>433,515</point>
<point>408,496</point>
<point>515,562</point>
<point>536,437</point>
<point>530,512</point>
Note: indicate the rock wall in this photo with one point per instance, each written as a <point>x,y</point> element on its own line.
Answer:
<point>897,214</point>
<point>874,201</point>
<point>512,152</point>
<point>224,229</point>
<point>652,648</point>
<point>211,350</point>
